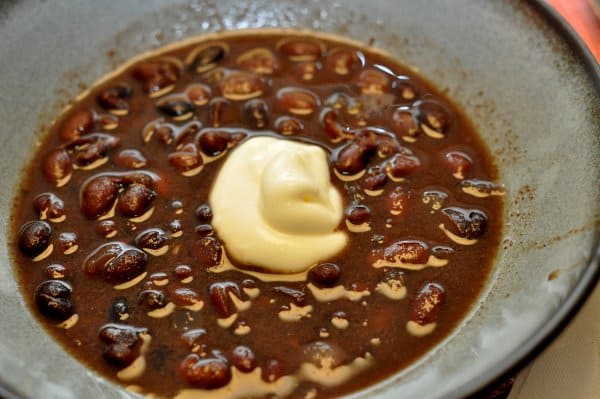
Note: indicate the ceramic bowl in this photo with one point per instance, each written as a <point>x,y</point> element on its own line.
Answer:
<point>528,85</point>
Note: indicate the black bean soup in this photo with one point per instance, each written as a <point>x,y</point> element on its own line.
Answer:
<point>115,250</point>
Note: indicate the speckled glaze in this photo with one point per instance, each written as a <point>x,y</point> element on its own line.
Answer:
<point>529,87</point>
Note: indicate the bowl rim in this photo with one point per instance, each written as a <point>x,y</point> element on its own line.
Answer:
<point>5,392</point>
<point>515,361</point>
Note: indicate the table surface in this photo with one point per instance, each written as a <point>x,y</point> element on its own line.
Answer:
<point>581,16</point>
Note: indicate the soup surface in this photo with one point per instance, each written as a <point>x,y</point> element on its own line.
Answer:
<point>254,215</point>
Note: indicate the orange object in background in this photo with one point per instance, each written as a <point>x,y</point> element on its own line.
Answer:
<point>580,15</point>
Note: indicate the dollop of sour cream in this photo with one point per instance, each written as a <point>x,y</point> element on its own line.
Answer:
<point>274,205</point>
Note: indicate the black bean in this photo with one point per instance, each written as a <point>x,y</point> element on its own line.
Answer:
<point>187,131</point>
<point>108,122</point>
<point>115,262</point>
<point>92,147</point>
<point>248,283</point>
<point>334,130</point>
<point>176,108</point>
<point>152,239</point>
<point>207,57</point>
<point>143,178</point>
<point>122,343</point>
<point>67,241</point>
<point>183,271</point>
<point>297,296</point>
<point>435,198</point>
<point>177,205</point>
<point>57,166</point>
<point>393,275</point>
<point>243,358</point>
<point>208,373</point>
<point>187,158</point>
<point>402,164</point>
<point>406,90</point>
<point>427,304</point>
<point>193,337</point>
<point>288,126</point>
<point>387,145</point>
<point>56,271</point>
<point>373,82</point>
<point>131,159</point>
<point>397,201</point>
<point>300,49</point>
<point>470,223</point>
<point>156,75</point>
<point>77,124</point>
<point>48,206</point>
<point>96,262</point>
<point>325,354</point>
<point>184,296</point>
<point>34,237</point>
<point>119,309</point>
<point>272,370</point>
<point>120,355</point>
<point>375,178</point>
<point>307,70</point>
<point>107,227</point>
<point>198,93</point>
<point>135,200</point>
<point>203,230</point>
<point>164,132</point>
<point>258,60</point>
<point>156,277</point>
<point>152,299</point>
<point>404,123</point>
<point>114,333</point>
<point>53,299</point>
<point>353,157</point>
<point>213,142</point>
<point>484,187</point>
<point>126,266</point>
<point>219,294</point>
<point>175,226</point>
<point>442,250</point>
<point>241,86</point>
<point>325,274</point>
<point>208,251</point>
<point>256,113</point>
<point>204,213</point>
<point>405,251</point>
<point>220,111</point>
<point>297,101</point>
<point>342,61</point>
<point>358,214</point>
<point>435,116</point>
<point>114,99</point>
<point>98,196</point>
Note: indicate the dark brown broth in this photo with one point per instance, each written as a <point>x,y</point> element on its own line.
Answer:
<point>270,338</point>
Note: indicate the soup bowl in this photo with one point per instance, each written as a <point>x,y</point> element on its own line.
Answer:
<point>527,83</point>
